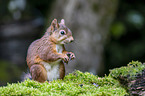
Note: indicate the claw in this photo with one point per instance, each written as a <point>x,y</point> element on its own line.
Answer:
<point>65,62</point>
<point>68,54</point>
<point>65,59</point>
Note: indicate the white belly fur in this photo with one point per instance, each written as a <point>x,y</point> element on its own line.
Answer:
<point>52,70</point>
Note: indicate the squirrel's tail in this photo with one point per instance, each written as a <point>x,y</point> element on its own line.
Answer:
<point>26,75</point>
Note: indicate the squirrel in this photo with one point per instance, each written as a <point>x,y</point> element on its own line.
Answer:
<point>46,56</point>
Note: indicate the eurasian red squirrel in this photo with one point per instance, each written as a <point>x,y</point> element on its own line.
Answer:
<point>47,55</point>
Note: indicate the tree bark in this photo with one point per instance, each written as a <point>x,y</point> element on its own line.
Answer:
<point>89,21</point>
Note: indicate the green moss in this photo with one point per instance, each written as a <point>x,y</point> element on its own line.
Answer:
<point>130,71</point>
<point>74,84</point>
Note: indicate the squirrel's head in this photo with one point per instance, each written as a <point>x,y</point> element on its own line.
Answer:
<point>59,33</point>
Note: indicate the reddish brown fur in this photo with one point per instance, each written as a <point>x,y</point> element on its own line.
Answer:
<point>38,73</point>
<point>44,50</point>
<point>62,70</point>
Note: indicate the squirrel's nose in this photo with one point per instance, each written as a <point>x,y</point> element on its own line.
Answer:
<point>72,39</point>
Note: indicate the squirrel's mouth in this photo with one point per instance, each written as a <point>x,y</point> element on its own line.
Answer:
<point>64,42</point>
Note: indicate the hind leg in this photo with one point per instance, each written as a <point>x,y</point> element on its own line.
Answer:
<point>38,73</point>
<point>61,71</point>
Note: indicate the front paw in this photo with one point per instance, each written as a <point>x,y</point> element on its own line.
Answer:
<point>71,55</point>
<point>65,59</point>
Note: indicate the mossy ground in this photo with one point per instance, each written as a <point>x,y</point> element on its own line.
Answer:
<point>74,84</point>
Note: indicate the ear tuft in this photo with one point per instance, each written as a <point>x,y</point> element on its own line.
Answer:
<point>54,21</point>
<point>54,25</point>
<point>62,21</point>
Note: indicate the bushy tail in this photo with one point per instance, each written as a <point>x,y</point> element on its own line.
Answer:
<point>26,75</point>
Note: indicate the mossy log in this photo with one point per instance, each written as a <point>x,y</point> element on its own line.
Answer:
<point>132,77</point>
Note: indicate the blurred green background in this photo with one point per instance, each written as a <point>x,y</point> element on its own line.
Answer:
<point>125,41</point>
<point>127,35</point>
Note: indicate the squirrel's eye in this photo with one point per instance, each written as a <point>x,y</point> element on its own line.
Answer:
<point>62,32</point>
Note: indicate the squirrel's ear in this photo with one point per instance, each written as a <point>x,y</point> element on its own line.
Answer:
<point>62,21</point>
<point>54,25</point>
